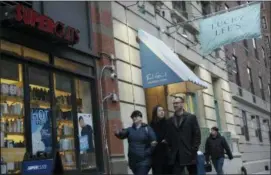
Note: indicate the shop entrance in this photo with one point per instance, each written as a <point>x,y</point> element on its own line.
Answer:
<point>45,109</point>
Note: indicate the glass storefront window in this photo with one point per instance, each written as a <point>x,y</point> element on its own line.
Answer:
<point>12,117</point>
<point>64,121</point>
<point>75,67</point>
<point>40,104</point>
<point>85,125</point>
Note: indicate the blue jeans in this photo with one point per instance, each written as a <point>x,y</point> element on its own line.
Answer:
<point>218,164</point>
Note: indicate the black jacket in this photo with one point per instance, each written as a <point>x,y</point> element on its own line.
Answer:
<point>215,147</point>
<point>159,156</point>
<point>183,139</point>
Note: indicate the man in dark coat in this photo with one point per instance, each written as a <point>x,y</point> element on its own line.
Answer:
<point>183,138</point>
<point>214,147</point>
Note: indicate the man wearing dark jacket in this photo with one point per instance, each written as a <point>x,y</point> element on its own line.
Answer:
<point>214,147</point>
<point>183,138</point>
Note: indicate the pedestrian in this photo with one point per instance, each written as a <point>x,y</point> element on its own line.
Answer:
<point>183,138</point>
<point>159,157</point>
<point>141,143</point>
<point>214,147</point>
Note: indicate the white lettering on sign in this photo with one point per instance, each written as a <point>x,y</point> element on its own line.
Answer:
<point>158,76</point>
<point>37,167</point>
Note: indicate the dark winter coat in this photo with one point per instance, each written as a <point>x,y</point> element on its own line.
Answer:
<point>139,141</point>
<point>215,147</point>
<point>159,156</point>
<point>183,139</point>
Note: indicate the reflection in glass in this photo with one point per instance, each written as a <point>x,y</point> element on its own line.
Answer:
<point>85,122</point>
<point>11,117</point>
<point>41,122</point>
<point>64,121</point>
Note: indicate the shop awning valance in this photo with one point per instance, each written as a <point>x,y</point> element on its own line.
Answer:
<point>161,66</point>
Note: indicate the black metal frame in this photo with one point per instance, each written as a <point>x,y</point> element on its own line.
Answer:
<point>26,63</point>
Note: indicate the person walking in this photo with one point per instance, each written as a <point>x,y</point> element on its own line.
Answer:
<point>214,147</point>
<point>159,157</point>
<point>183,138</point>
<point>141,142</point>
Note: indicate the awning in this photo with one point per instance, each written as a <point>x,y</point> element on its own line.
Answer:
<point>161,66</point>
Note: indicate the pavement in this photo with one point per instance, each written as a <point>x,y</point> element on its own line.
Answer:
<point>264,172</point>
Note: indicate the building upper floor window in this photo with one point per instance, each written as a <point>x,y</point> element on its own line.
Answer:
<point>226,6</point>
<point>245,125</point>
<point>261,87</point>
<point>246,47</point>
<point>250,81</point>
<point>269,89</point>
<point>249,74</point>
<point>259,130</point>
<point>255,48</point>
<point>264,24</point>
<point>263,53</point>
<point>206,7</point>
<point>254,43</point>
<point>180,6</point>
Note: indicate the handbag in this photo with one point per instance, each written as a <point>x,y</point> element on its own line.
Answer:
<point>208,167</point>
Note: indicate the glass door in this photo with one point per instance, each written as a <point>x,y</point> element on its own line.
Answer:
<point>87,156</point>
<point>40,110</point>
<point>64,120</point>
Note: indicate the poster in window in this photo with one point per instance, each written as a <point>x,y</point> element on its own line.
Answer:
<point>85,132</point>
<point>41,130</point>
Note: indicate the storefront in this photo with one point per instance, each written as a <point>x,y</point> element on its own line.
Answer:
<point>48,101</point>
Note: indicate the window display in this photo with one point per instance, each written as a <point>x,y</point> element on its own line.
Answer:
<point>12,118</point>
<point>85,122</point>
<point>41,120</point>
<point>65,127</point>
<point>42,107</point>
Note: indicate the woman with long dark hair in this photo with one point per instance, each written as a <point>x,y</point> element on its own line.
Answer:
<point>159,157</point>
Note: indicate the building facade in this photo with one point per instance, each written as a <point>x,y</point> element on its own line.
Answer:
<point>213,105</point>
<point>249,76</point>
<point>51,57</point>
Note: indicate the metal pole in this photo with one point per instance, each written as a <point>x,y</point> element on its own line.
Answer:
<point>103,122</point>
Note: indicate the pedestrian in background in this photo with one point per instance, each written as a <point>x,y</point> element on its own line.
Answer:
<point>214,147</point>
<point>159,157</point>
<point>183,138</point>
<point>141,143</point>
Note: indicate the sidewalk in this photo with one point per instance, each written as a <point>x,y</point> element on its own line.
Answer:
<point>263,172</point>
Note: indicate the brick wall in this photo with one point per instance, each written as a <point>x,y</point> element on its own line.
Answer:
<point>103,41</point>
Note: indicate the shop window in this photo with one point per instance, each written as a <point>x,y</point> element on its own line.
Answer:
<point>73,66</point>
<point>11,47</point>
<point>34,54</point>
<point>12,117</point>
<point>40,108</point>
<point>85,125</point>
<point>64,121</point>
